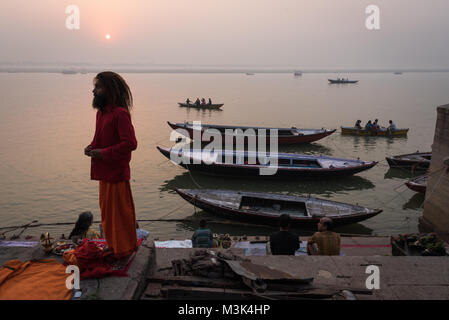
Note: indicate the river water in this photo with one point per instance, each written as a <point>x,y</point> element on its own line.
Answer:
<point>46,120</point>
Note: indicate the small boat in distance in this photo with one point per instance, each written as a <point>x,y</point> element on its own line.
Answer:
<point>383,132</point>
<point>338,80</point>
<point>397,72</point>
<point>199,106</point>
<point>69,72</point>
<point>418,184</point>
<point>298,73</point>
<point>266,208</point>
<point>285,135</point>
<point>249,74</point>
<point>238,163</point>
<point>413,161</point>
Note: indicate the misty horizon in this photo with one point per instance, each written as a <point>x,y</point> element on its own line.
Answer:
<point>322,35</point>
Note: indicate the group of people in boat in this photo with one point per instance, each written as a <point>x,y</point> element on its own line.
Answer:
<point>324,242</point>
<point>374,126</point>
<point>199,102</point>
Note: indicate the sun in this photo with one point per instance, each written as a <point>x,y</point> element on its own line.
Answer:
<point>107,36</point>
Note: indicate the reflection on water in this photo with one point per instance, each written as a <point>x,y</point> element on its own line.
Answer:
<point>200,111</point>
<point>399,173</point>
<point>371,141</point>
<point>189,180</point>
<point>415,203</point>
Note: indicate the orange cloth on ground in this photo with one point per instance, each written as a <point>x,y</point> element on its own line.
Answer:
<point>118,217</point>
<point>34,280</point>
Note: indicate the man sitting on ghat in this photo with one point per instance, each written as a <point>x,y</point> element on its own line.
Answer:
<point>284,242</point>
<point>325,242</point>
<point>203,237</point>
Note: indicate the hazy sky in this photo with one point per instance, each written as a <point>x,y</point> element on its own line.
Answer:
<point>300,33</point>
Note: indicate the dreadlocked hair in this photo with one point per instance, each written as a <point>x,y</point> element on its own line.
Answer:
<point>83,223</point>
<point>117,90</point>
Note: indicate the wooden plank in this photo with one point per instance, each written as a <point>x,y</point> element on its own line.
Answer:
<point>195,281</point>
<point>204,293</point>
<point>177,292</point>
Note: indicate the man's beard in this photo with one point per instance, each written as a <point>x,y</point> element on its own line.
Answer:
<point>99,102</point>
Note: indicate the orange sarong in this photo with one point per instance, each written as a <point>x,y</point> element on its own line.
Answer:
<point>118,217</point>
<point>34,280</point>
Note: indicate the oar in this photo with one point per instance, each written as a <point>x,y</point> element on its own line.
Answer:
<point>25,226</point>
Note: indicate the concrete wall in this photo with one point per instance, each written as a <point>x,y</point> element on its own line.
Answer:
<point>436,205</point>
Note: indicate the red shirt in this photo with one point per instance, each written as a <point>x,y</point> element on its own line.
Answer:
<point>114,134</point>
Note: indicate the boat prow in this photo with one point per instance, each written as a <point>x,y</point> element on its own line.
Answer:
<point>418,184</point>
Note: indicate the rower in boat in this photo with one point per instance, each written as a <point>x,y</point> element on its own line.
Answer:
<point>197,102</point>
<point>392,126</point>
<point>210,101</point>
<point>357,124</point>
<point>203,102</point>
<point>188,101</point>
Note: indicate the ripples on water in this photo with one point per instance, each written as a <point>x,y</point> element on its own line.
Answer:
<point>46,120</point>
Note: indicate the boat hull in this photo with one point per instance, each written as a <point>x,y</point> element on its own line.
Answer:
<point>233,213</point>
<point>381,133</point>
<point>283,173</point>
<point>412,161</point>
<point>343,82</point>
<point>418,184</point>
<point>282,139</point>
<point>206,106</point>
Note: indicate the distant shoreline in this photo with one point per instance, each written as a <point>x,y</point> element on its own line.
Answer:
<point>76,70</point>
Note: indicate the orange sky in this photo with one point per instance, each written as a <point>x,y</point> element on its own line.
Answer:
<point>306,33</point>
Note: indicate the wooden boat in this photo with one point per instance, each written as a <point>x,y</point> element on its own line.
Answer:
<point>413,161</point>
<point>247,164</point>
<point>285,135</point>
<point>383,132</point>
<point>342,81</point>
<point>298,73</point>
<point>265,208</point>
<point>206,106</point>
<point>418,184</point>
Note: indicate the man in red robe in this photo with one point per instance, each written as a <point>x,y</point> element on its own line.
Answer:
<point>110,152</point>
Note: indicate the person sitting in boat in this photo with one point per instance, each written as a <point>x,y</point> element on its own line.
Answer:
<point>188,101</point>
<point>392,126</point>
<point>375,127</point>
<point>197,101</point>
<point>210,101</point>
<point>368,125</point>
<point>83,229</point>
<point>284,242</point>
<point>202,238</point>
<point>325,242</point>
<point>203,102</point>
<point>357,124</point>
